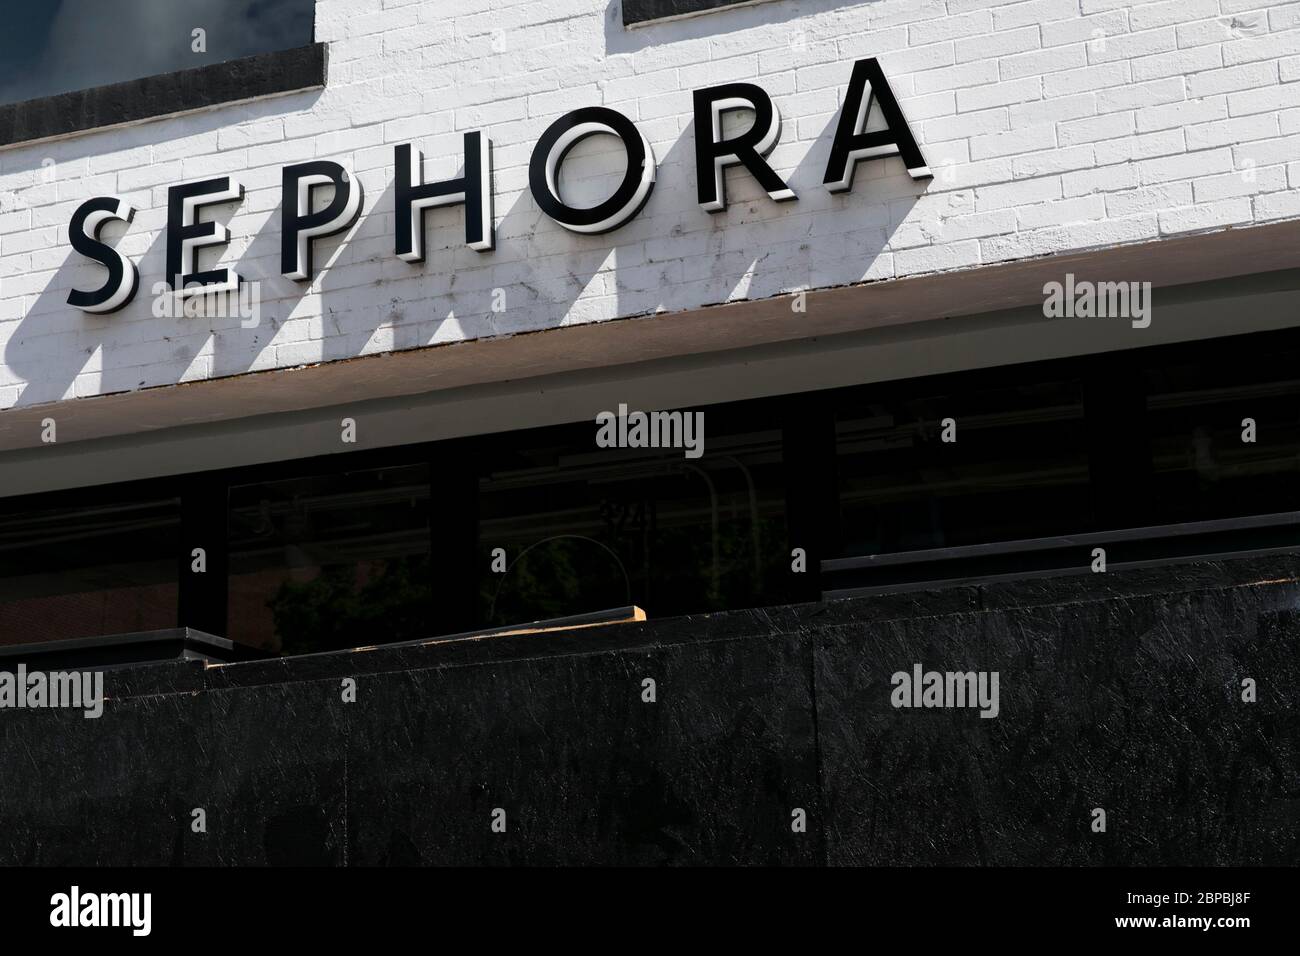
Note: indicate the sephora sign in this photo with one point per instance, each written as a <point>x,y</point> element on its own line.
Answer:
<point>301,226</point>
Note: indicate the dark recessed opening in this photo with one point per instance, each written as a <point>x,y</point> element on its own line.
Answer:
<point>280,71</point>
<point>644,11</point>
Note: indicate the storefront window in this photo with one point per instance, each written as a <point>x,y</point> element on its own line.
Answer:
<point>1016,465</point>
<point>1201,417</point>
<point>585,529</point>
<point>331,561</point>
<point>546,523</point>
<point>89,571</point>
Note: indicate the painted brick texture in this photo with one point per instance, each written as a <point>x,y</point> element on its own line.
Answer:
<point>1052,126</point>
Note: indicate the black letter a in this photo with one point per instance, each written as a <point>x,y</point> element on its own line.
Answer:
<point>852,142</point>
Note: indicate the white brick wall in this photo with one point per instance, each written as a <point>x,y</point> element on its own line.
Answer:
<point>1053,126</point>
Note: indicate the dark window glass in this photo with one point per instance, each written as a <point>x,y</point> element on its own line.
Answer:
<point>331,561</point>
<point>89,572</point>
<point>1018,467</point>
<point>586,528</point>
<point>57,46</point>
<point>1201,467</point>
<point>645,11</point>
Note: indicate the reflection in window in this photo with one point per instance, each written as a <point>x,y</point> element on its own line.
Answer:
<point>89,572</point>
<point>57,46</point>
<point>331,561</point>
<point>1201,467</point>
<point>1018,469</point>
<point>586,529</point>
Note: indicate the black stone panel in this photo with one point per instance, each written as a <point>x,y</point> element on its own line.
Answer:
<point>1130,705</point>
<point>1125,696</point>
<point>585,770</point>
<point>105,791</point>
<point>281,71</point>
<point>276,781</point>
